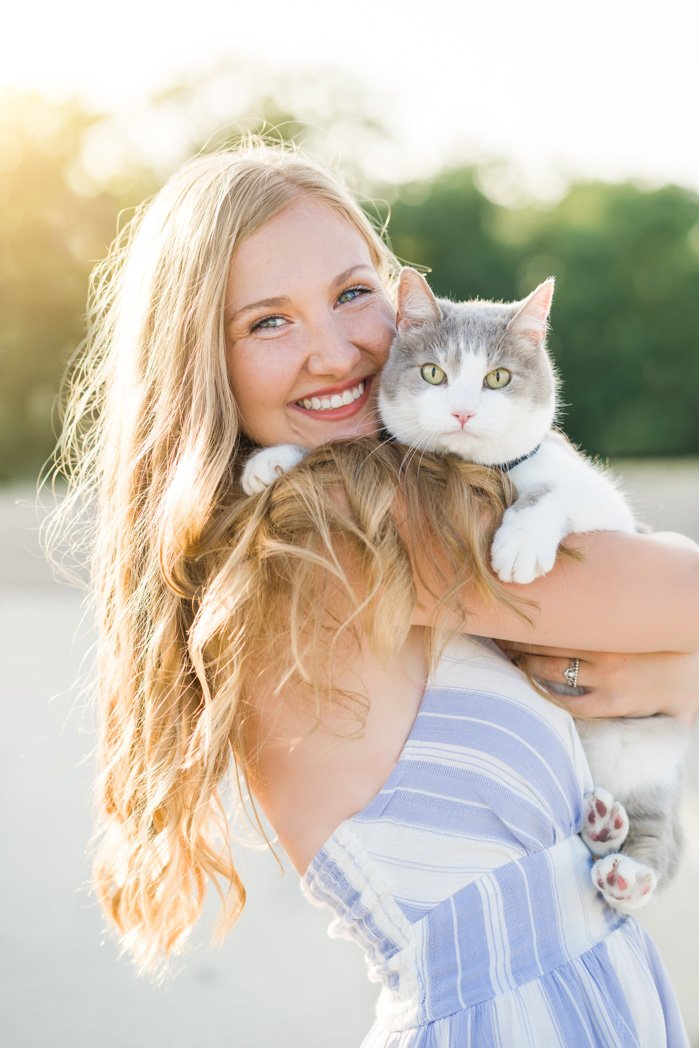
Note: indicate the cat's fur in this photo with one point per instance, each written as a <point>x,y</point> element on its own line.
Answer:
<point>638,762</point>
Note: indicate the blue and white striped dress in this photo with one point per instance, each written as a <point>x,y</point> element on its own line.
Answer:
<point>466,884</point>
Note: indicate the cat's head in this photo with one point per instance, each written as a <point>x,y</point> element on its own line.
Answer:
<point>473,378</point>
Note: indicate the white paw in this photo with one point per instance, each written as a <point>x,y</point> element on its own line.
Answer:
<point>625,884</point>
<point>605,823</point>
<point>263,467</point>
<point>521,551</point>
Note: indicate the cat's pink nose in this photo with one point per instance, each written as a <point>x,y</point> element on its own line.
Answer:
<point>463,416</point>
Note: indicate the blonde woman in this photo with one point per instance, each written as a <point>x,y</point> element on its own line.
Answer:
<point>421,787</point>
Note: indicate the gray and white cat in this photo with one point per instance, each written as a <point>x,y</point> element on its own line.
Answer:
<point>474,379</point>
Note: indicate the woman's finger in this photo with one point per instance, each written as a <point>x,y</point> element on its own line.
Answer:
<point>553,669</point>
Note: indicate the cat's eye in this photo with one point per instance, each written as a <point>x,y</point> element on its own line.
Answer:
<point>497,379</point>
<point>433,374</point>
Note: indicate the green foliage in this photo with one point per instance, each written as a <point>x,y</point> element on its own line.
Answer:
<point>450,226</point>
<point>625,316</point>
<point>626,260</point>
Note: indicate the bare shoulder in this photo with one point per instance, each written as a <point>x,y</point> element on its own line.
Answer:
<point>311,773</point>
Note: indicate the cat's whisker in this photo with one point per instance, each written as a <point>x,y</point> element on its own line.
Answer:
<point>422,454</point>
<point>417,446</point>
<point>409,455</point>
<point>411,443</point>
<point>382,443</point>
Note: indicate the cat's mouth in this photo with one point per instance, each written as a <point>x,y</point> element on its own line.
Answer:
<point>467,434</point>
<point>340,403</point>
<point>464,441</point>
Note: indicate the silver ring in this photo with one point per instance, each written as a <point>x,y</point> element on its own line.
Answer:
<point>571,672</point>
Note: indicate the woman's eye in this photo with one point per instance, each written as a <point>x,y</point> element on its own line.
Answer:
<point>498,378</point>
<point>433,374</point>
<point>268,323</point>
<point>353,292</point>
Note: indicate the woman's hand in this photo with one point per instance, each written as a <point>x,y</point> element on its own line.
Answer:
<point>618,685</point>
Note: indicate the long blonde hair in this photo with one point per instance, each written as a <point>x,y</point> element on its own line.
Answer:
<point>188,578</point>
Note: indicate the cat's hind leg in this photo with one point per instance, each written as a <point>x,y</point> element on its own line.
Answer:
<point>624,883</point>
<point>640,762</point>
<point>651,850</point>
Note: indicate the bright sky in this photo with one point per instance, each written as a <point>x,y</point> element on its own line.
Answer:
<point>608,88</point>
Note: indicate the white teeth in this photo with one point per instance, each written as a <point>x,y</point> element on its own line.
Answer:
<point>337,400</point>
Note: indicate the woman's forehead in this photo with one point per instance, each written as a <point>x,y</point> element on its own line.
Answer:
<point>307,241</point>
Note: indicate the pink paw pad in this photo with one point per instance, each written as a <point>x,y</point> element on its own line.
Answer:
<point>605,823</point>
<point>625,883</point>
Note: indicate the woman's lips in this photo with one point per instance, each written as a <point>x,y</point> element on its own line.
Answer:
<point>342,412</point>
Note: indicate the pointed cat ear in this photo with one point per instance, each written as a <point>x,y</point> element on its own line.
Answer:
<point>416,303</point>
<point>531,319</point>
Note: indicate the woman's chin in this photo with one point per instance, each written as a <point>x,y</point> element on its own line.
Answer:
<point>348,431</point>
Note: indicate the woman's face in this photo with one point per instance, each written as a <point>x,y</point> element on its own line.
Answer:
<point>308,328</point>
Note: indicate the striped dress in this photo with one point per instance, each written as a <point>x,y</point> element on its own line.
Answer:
<point>467,887</point>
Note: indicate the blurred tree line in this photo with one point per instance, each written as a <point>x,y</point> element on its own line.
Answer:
<point>626,259</point>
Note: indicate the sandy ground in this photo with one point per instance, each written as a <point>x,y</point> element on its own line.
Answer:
<point>278,980</point>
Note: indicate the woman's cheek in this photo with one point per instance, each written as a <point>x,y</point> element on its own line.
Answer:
<point>379,331</point>
<point>257,379</point>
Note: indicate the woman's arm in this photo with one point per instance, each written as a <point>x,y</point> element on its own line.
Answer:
<point>630,593</point>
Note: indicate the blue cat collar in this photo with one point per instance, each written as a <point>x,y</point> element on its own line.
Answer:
<point>505,467</point>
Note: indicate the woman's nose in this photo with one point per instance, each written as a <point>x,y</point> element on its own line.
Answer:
<point>332,352</point>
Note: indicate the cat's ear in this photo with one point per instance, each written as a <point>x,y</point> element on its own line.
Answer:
<point>416,303</point>
<point>531,319</point>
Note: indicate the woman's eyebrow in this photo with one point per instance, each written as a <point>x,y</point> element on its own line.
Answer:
<point>282,300</point>
<point>264,303</point>
<point>347,273</point>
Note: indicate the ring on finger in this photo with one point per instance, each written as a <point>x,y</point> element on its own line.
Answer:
<point>570,673</point>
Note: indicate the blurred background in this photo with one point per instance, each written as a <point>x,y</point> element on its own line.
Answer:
<point>502,145</point>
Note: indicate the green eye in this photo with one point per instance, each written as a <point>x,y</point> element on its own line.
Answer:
<point>433,374</point>
<point>497,379</point>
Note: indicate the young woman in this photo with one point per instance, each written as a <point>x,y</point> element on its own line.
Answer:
<point>418,783</point>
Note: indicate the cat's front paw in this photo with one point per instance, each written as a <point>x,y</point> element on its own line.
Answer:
<point>605,823</point>
<point>522,551</point>
<point>266,465</point>
<point>624,883</point>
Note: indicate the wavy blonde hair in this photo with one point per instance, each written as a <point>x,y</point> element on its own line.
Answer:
<point>189,579</point>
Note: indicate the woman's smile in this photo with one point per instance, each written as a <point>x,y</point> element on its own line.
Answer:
<point>336,402</point>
